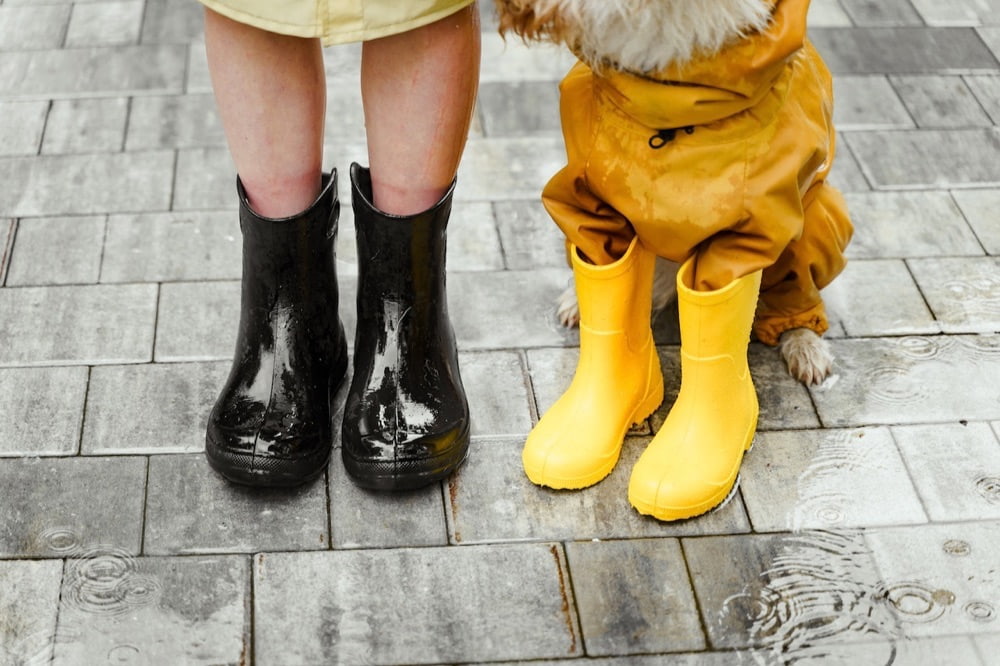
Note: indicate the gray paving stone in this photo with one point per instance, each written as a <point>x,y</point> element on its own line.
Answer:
<point>867,103</point>
<point>959,12</point>
<point>529,237</point>
<point>884,13</point>
<point>142,610</point>
<point>940,580</point>
<point>205,180</point>
<point>191,509</point>
<point>987,92</point>
<point>512,60</point>
<point>988,645</point>
<point>498,391</point>
<point>172,22</point>
<point>29,606</point>
<point>174,121</point>
<point>911,380</point>
<point>56,506</point>
<point>991,37</point>
<point>424,605</point>
<point>807,596</point>
<point>197,79</point>
<point>86,125</point>
<point>151,408</point>
<point>93,71</point>
<point>932,159</point>
<point>846,174</point>
<point>519,108</point>
<point>86,184</point>
<point>362,518</point>
<point>490,499</point>
<point>906,50</point>
<point>197,321</point>
<point>955,467</point>
<point>893,225</point>
<point>105,23</point>
<point>77,325</point>
<point>827,479</point>
<point>963,293</point>
<point>827,14</point>
<point>615,620</point>
<point>513,168</point>
<point>879,297</point>
<point>57,250</point>
<point>157,247</point>
<point>44,410</point>
<point>473,241</point>
<point>912,652</point>
<point>23,125</point>
<point>496,310</point>
<point>980,208</point>
<point>940,101</point>
<point>33,27</point>
<point>7,232</point>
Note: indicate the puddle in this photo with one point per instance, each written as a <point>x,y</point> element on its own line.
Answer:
<point>105,581</point>
<point>815,603</point>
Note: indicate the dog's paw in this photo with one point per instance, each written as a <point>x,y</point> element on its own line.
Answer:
<point>807,355</point>
<point>568,307</point>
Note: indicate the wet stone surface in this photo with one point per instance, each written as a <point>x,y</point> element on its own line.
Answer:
<point>54,506</point>
<point>29,606</point>
<point>830,479</point>
<point>426,605</point>
<point>911,380</point>
<point>940,580</point>
<point>191,509</point>
<point>115,608</point>
<point>955,468</point>
<point>615,620</point>
<point>151,408</point>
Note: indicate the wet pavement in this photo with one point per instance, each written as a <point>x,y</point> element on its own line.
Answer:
<point>867,526</point>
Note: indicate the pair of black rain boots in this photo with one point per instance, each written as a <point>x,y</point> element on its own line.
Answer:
<point>406,421</point>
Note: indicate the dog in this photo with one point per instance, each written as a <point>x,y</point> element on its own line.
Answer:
<point>645,37</point>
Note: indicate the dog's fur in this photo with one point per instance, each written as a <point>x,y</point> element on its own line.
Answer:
<point>643,36</point>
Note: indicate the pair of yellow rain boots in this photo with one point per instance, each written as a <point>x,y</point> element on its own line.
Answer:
<point>692,463</point>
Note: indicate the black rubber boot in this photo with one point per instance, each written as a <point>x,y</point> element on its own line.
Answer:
<point>271,424</point>
<point>406,422</point>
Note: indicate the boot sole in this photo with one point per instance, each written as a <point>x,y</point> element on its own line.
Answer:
<point>246,470</point>
<point>404,474</point>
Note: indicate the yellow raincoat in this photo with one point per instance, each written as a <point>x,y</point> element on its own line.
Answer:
<point>725,156</point>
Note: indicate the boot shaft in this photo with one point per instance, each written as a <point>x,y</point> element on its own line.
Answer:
<point>292,253</point>
<point>401,260</point>
<point>716,323</point>
<point>616,297</point>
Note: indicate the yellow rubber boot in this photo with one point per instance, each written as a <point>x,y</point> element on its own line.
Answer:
<point>692,464</point>
<point>617,382</point>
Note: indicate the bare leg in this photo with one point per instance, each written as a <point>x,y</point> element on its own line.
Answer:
<point>271,93</point>
<point>419,89</point>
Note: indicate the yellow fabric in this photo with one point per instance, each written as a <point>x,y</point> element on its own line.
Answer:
<point>617,382</point>
<point>337,21</point>
<point>692,463</point>
<point>743,187</point>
